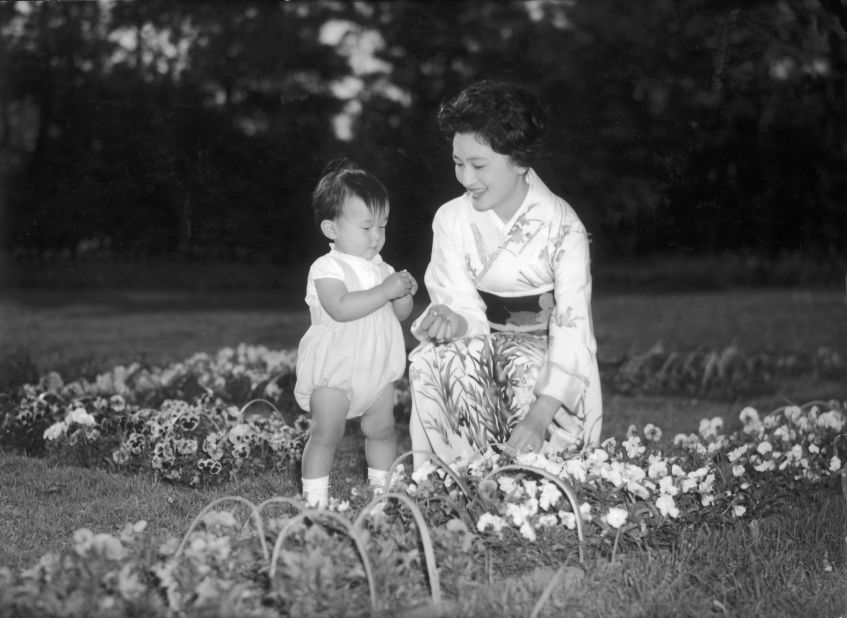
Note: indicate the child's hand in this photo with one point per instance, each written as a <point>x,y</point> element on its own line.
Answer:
<point>398,285</point>
<point>414,288</point>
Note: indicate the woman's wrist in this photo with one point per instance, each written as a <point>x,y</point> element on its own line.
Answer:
<point>462,328</point>
<point>543,410</point>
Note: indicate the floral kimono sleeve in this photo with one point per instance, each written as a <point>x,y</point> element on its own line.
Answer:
<point>570,364</point>
<point>447,278</point>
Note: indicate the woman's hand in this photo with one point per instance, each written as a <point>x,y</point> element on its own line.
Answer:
<point>528,435</point>
<point>442,324</point>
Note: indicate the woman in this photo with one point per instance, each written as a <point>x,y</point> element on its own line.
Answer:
<point>508,354</point>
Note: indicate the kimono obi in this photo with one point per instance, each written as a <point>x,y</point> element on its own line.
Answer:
<point>518,313</point>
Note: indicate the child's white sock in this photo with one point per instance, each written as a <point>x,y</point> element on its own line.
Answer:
<point>316,491</point>
<point>376,480</point>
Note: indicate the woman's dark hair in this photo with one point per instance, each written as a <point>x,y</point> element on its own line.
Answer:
<point>341,180</point>
<point>506,117</point>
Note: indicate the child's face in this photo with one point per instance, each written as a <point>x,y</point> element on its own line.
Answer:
<point>358,231</point>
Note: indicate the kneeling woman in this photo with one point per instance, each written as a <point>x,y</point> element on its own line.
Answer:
<point>508,354</point>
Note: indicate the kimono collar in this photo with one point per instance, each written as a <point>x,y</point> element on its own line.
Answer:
<point>537,192</point>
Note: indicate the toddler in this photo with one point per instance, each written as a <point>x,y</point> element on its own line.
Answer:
<point>354,351</point>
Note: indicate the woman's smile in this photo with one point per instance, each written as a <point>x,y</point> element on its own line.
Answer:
<point>491,180</point>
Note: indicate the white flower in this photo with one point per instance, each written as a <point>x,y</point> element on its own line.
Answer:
<point>520,513</point>
<point>219,518</point>
<point>738,510</point>
<point>651,432</point>
<point>129,584</point>
<point>548,520</point>
<point>633,447</point>
<point>666,485</point>
<point>576,470</point>
<point>585,511</point>
<point>764,447</point>
<point>553,467</point>
<point>83,539</point>
<point>507,484</point>
<point>638,490</point>
<point>709,428</point>
<point>634,473</point>
<point>108,546</point>
<point>613,474</point>
<point>598,455</point>
<point>765,466</point>
<point>616,517</point>
<point>833,420</point>
<point>80,417</point>
<point>688,484</point>
<point>749,416</point>
<point>736,453</point>
<point>657,469</point>
<point>700,472</point>
<point>814,449</point>
<point>707,500</point>
<point>667,507</point>
<point>707,485</point>
<point>238,433</point>
<point>488,520</point>
<point>342,506</point>
<point>782,432</point>
<point>792,413</point>
<point>550,495</point>
<point>55,431</point>
<point>423,471</point>
<point>737,470</point>
<point>568,519</point>
<point>527,531</point>
<point>835,464</point>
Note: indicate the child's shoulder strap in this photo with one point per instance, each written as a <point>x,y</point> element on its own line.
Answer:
<point>349,272</point>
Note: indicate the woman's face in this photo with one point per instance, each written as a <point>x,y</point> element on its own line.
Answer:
<point>493,181</point>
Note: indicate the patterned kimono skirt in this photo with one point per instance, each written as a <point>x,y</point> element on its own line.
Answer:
<point>469,393</point>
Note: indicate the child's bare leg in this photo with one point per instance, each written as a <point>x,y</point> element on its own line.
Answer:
<point>380,438</point>
<point>328,408</point>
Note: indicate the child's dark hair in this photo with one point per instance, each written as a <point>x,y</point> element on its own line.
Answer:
<point>341,180</point>
<point>505,116</point>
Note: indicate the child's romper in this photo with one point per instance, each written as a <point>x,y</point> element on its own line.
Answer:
<point>360,357</point>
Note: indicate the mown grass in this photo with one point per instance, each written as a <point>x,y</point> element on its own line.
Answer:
<point>774,568</point>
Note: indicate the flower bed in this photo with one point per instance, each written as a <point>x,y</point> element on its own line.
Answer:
<point>197,422</point>
<point>279,557</point>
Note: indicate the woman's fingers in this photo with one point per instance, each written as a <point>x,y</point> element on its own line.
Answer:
<point>439,324</point>
<point>437,330</point>
<point>524,441</point>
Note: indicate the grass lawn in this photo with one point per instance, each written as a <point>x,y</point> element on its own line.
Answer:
<point>777,568</point>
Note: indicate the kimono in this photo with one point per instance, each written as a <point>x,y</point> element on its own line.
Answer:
<point>524,288</point>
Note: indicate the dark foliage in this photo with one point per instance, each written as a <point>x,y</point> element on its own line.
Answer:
<point>199,129</point>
